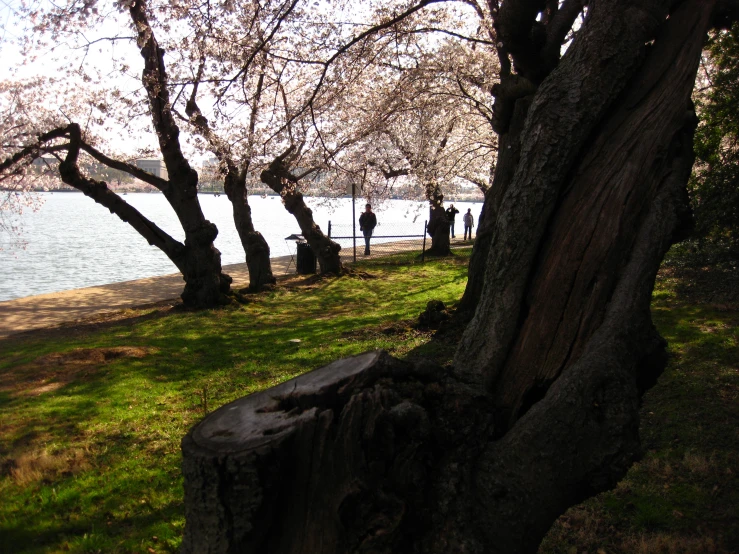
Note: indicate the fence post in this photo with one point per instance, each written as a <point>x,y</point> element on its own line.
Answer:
<point>329,228</point>
<point>423,250</point>
<point>354,221</point>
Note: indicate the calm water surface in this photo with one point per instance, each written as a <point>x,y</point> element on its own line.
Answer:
<point>72,242</point>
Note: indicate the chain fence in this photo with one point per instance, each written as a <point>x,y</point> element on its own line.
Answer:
<point>391,242</point>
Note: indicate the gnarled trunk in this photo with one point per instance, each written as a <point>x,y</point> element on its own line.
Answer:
<point>198,260</point>
<point>277,178</point>
<point>255,246</point>
<point>540,409</point>
<point>206,286</point>
<point>438,229</point>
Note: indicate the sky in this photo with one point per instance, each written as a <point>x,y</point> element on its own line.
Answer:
<point>105,57</point>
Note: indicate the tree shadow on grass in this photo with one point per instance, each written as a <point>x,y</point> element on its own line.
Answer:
<point>156,529</point>
<point>99,322</point>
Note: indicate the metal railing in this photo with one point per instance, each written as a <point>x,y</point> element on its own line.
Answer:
<point>393,242</point>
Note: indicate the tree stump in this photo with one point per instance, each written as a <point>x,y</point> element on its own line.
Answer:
<point>336,460</point>
<point>371,454</point>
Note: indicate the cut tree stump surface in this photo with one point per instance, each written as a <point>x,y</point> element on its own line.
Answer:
<point>266,416</point>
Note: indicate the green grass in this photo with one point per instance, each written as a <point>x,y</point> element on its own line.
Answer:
<point>682,497</point>
<point>89,450</point>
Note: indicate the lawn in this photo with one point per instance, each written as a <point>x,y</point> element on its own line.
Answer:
<point>93,414</point>
<point>683,496</point>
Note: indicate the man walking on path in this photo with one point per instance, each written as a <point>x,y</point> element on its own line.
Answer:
<point>468,221</point>
<point>451,211</point>
<point>367,224</point>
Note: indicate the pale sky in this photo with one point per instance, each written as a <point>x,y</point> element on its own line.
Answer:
<point>104,57</point>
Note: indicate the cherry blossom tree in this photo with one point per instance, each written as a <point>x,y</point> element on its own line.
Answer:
<point>79,121</point>
<point>539,409</point>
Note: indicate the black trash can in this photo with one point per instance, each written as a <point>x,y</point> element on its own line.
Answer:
<point>306,262</point>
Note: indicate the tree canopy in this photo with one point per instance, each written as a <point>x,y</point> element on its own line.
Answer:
<point>714,185</point>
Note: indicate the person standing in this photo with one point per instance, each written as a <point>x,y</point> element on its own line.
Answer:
<point>468,221</point>
<point>451,211</point>
<point>367,224</point>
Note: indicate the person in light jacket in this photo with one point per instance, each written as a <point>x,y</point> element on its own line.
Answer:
<point>468,221</point>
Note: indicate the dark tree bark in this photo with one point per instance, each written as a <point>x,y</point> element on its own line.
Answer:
<point>540,409</point>
<point>279,179</point>
<point>205,284</point>
<point>508,155</point>
<point>255,246</point>
<point>438,227</point>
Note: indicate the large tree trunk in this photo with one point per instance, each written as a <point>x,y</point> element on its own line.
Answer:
<point>277,177</point>
<point>255,246</point>
<point>594,162</point>
<point>540,410</point>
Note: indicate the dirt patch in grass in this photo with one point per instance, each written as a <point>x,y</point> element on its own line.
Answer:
<point>359,274</point>
<point>52,371</point>
<point>397,329</point>
<point>92,356</point>
<point>45,465</point>
<point>308,282</point>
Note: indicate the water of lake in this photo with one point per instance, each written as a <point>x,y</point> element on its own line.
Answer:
<point>72,242</point>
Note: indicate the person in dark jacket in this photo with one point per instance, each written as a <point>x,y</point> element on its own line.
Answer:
<point>367,224</point>
<point>451,211</point>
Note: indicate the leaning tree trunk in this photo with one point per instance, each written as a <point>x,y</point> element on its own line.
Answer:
<point>277,178</point>
<point>540,409</point>
<point>254,244</point>
<point>197,259</point>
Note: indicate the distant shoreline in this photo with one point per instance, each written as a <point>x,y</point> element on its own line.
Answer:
<point>459,198</point>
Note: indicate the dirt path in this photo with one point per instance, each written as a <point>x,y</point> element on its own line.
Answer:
<point>48,310</point>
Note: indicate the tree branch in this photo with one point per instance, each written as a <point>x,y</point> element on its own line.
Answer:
<point>100,193</point>
<point>33,150</point>
<point>558,27</point>
<point>154,79</point>
<point>132,170</point>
